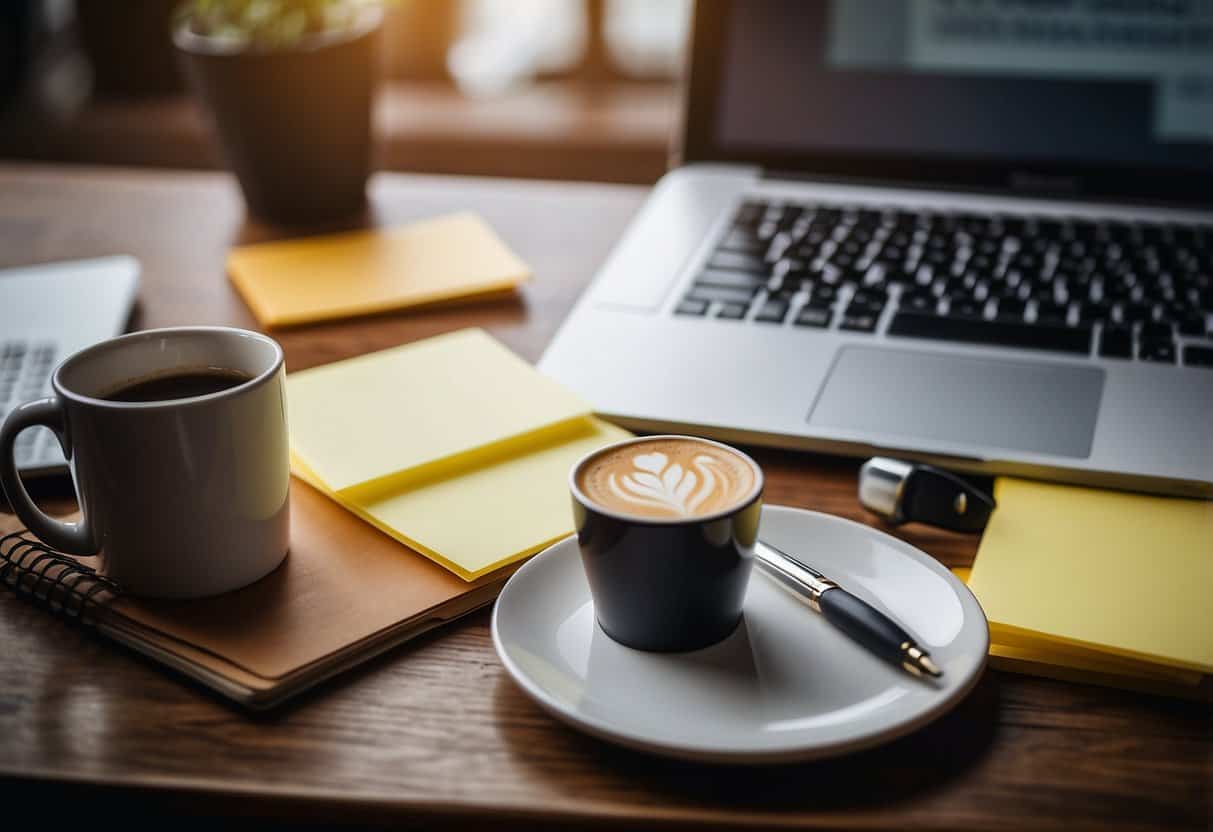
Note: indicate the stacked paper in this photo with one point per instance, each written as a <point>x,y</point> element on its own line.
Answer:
<point>453,445</point>
<point>1109,586</point>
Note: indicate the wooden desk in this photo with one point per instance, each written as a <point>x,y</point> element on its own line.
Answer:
<point>434,733</point>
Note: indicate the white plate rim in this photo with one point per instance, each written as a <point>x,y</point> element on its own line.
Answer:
<point>604,731</point>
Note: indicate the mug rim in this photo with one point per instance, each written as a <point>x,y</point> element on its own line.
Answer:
<point>593,505</point>
<point>187,401</point>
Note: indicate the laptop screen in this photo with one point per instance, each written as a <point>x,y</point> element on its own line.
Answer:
<point>1050,94</point>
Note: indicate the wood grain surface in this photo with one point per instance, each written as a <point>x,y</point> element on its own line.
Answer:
<point>434,733</point>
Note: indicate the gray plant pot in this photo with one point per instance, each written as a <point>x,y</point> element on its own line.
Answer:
<point>294,124</point>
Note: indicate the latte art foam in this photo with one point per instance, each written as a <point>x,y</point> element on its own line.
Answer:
<point>667,477</point>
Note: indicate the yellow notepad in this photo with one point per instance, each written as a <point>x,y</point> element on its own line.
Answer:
<point>1037,657</point>
<point>360,272</point>
<point>452,445</point>
<point>1098,575</point>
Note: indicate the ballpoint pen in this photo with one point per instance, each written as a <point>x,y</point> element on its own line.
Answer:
<point>849,613</point>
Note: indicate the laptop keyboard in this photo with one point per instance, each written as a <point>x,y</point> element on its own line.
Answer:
<point>25,370</point>
<point>1128,291</point>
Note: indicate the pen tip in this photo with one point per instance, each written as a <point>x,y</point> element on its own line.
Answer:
<point>918,661</point>
<point>929,666</point>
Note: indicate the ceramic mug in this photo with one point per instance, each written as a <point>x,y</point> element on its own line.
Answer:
<point>182,497</point>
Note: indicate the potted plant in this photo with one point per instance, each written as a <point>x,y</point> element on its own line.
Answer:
<point>289,84</point>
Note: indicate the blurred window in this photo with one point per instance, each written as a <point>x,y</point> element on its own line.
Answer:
<point>505,43</point>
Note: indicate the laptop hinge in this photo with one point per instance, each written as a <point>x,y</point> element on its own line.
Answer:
<point>1019,183</point>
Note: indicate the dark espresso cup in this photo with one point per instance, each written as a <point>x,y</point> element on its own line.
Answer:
<point>667,526</point>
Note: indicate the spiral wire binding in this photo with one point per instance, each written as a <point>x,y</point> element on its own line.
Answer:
<point>74,590</point>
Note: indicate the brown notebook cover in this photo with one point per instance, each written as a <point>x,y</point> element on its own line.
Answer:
<point>346,592</point>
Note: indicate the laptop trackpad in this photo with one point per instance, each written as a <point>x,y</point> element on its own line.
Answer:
<point>988,403</point>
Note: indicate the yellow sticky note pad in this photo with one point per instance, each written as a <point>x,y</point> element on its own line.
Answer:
<point>389,413</point>
<point>1089,572</point>
<point>360,272</point>
<point>1039,657</point>
<point>500,509</point>
<point>452,445</point>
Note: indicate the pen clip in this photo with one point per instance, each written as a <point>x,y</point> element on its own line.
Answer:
<point>794,576</point>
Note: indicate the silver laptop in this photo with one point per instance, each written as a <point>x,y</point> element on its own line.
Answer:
<point>927,229</point>
<point>48,312</point>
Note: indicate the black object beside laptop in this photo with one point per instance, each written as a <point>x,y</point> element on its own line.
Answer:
<point>888,239</point>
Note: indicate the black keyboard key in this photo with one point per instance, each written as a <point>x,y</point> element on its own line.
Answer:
<point>824,294</point>
<point>731,280</point>
<point>1203,299</point>
<point>867,218</point>
<point>896,274</point>
<point>859,319</point>
<point>831,275</point>
<point>843,261</point>
<point>870,298</point>
<point>778,286</point>
<point>876,277</point>
<point>1048,312</point>
<point>1161,350</point>
<point>723,294</point>
<point>810,247</point>
<point>732,311</point>
<point>1116,342</point>
<point>917,301</point>
<point>1127,313</point>
<point>813,316</point>
<point>1090,312</point>
<point>772,311</point>
<point>1195,356</point>
<point>734,261</point>
<point>794,270</point>
<point>993,333</point>
<point>1010,310</point>
<point>965,309</point>
<point>690,306</point>
<point>1191,323</point>
<point>1153,329</point>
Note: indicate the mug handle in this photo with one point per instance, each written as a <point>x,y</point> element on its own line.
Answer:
<point>73,538</point>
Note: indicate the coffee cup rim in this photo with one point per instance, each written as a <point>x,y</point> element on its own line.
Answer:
<point>750,498</point>
<point>149,334</point>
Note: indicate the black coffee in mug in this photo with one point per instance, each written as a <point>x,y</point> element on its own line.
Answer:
<point>180,457</point>
<point>182,384</point>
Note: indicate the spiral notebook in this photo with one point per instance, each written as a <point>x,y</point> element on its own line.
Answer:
<point>345,593</point>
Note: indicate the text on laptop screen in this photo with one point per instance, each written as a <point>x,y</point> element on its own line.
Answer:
<point>1108,82</point>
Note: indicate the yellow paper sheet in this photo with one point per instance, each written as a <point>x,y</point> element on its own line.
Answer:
<point>1036,663</point>
<point>387,415</point>
<point>1084,572</point>
<point>1020,653</point>
<point>491,511</point>
<point>338,275</point>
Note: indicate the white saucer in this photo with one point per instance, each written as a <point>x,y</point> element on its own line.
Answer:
<point>784,686</point>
